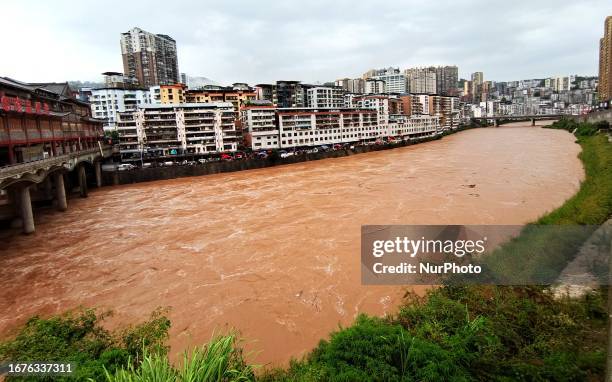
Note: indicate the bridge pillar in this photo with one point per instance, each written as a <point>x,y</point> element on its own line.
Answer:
<point>48,185</point>
<point>532,121</point>
<point>82,181</point>
<point>25,205</point>
<point>98,168</point>
<point>496,122</point>
<point>60,191</point>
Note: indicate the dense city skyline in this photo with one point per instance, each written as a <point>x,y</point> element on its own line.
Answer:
<point>244,42</point>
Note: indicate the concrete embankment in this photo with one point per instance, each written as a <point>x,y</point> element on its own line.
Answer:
<point>604,115</point>
<point>177,171</point>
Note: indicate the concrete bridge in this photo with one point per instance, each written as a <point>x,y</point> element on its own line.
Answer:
<point>47,178</point>
<point>531,117</point>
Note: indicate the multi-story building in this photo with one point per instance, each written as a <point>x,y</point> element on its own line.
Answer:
<point>343,83</point>
<point>42,120</point>
<point>354,85</point>
<point>264,92</point>
<point>259,127</point>
<point>395,82</point>
<point>325,97</point>
<point>605,62</point>
<point>559,84</point>
<point>384,106</point>
<point>476,82</point>
<point>237,95</point>
<point>172,130</point>
<point>420,104</point>
<point>412,127</point>
<point>288,94</point>
<point>447,109</point>
<point>168,94</point>
<point>374,86</point>
<point>118,80</point>
<point>299,127</point>
<point>150,58</point>
<point>447,78</point>
<point>107,102</point>
<point>421,80</point>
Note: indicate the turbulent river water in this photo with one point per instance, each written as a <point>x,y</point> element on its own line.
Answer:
<point>273,252</point>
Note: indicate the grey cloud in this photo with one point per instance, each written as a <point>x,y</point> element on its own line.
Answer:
<point>263,41</point>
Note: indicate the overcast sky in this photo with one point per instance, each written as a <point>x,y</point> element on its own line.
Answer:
<point>263,41</point>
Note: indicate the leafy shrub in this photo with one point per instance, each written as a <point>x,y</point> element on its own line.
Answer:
<point>78,337</point>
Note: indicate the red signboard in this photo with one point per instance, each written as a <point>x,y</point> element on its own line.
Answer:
<point>20,106</point>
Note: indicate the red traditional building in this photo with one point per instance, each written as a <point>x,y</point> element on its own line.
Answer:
<point>42,120</point>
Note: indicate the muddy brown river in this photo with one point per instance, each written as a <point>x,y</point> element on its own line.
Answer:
<point>273,252</point>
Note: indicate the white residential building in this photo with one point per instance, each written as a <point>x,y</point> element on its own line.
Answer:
<point>413,127</point>
<point>300,127</point>
<point>395,82</point>
<point>177,129</point>
<point>259,127</point>
<point>107,102</point>
<point>325,97</point>
<point>374,86</point>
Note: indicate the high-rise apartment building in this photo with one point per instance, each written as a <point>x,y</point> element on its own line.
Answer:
<point>605,62</point>
<point>477,81</point>
<point>355,85</point>
<point>421,80</point>
<point>150,58</point>
<point>374,86</point>
<point>447,78</point>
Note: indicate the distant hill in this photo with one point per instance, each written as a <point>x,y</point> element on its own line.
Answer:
<point>85,84</point>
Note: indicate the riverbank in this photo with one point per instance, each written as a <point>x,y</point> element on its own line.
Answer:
<point>139,175</point>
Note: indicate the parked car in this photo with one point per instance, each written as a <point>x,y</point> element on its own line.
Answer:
<point>337,147</point>
<point>239,155</point>
<point>324,148</point>
<point>125,167</point>
<point>226,157</point>
<point>262,155</point>
<point>147,164</point>
<point>202,160</point>
<point>169,163</point>
<point>286,154</point>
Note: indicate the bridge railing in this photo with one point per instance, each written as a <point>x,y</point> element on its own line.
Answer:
<point>20,168</point>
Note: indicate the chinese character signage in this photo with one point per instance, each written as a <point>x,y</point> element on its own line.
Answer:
<point>23,106</point>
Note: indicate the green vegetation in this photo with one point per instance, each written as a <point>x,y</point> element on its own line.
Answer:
<point>79,337</point>
<point>593,202</point>
<point>539,254</point>
<point>220,360</point>
<point>475,333</point>
<point>468,333</point>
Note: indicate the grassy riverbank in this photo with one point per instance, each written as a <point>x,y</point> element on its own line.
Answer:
<point>473,333</point>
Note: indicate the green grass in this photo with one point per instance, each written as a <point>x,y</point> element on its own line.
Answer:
<point>219,360</point>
